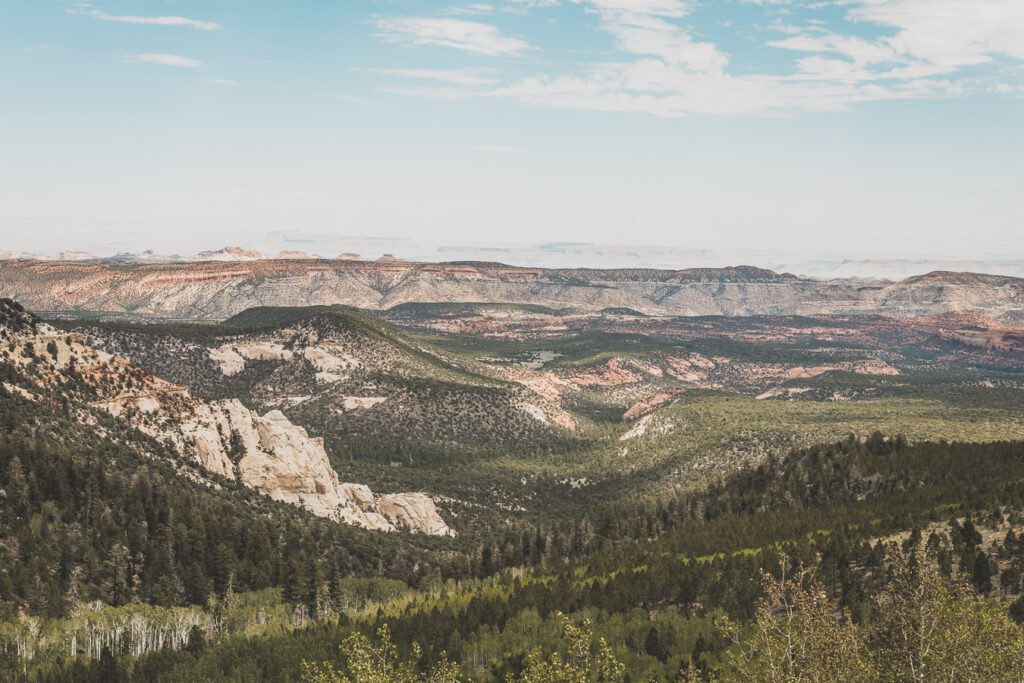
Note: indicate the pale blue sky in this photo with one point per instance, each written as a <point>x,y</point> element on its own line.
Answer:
<point>844,124</point>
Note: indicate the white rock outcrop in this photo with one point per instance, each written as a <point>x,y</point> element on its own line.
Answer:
<point>414,511</point>
<point>230,358</point>
<point>268,453</point>
<point>278,458</point>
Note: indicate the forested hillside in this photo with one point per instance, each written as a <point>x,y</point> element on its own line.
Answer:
<point>663,585</point>
<point>87,517</point>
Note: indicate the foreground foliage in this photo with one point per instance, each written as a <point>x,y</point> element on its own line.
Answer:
<point>583,660</point>
<point>378,661</point>
<point>754,577</point>
<point>928,628</point>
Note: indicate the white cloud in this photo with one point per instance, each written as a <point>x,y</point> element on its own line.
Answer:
<point>470,36</point>
<point>922,48</point>
<point>665,8</point>
<point>949,32</point>
<point>667,90</point>
<point>1007,89</point>
<point>859,50</point>
<point>164,59</point>
<point>150,21</point>
<point>932,37</point>
<point>508,7</point>
<point>476,8</point>
<point>642,27</point>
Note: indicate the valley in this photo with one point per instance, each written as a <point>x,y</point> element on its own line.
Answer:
<point>427,457</point>
<point>526,399</point>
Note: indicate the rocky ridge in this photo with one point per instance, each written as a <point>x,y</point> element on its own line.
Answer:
<point>223,437</point>
<point>218,290</point>
<point>357,381</point>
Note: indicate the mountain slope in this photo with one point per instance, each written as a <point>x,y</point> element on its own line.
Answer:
<point>223,438</point>
<point>999,297</point>
<point>218,290</point>
<point>95,513</point>
<point>372,392</point>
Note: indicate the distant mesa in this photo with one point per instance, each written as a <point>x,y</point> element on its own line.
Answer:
<point>147,256</point>
<point>734,274</point>
<point>59,256</point>
<point>389,258</point>
<point>967,279</point>
<point>296,256</point>
<point>349,256</point>
<point>229,254</point>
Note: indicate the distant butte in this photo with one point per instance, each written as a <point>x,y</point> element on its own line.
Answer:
<point>297,256</point>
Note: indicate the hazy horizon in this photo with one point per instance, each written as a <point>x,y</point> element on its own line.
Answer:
<point>807,262</point>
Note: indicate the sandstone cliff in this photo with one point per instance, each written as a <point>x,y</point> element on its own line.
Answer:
<point>267,453</point>
<point>214,290</point>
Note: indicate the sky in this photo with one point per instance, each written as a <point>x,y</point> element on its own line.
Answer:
<point>888,126</point>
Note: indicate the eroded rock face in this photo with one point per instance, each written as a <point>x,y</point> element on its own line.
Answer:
<point>278,458</point>
<point>414,511</point>
<point>267,453</point>
<point>647,406</point>
<point>218,290</point>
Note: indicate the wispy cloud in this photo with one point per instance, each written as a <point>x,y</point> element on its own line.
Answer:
<point>932,38</point>
<point>879,50</point>
<point>164,60</point>
<point>507,7</point>
<point>149,21</point>
<point>644,27</point>
<point>1007,89</point>
<point>469,36</point>
<point>471,9</point>
<point>949,32</point>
